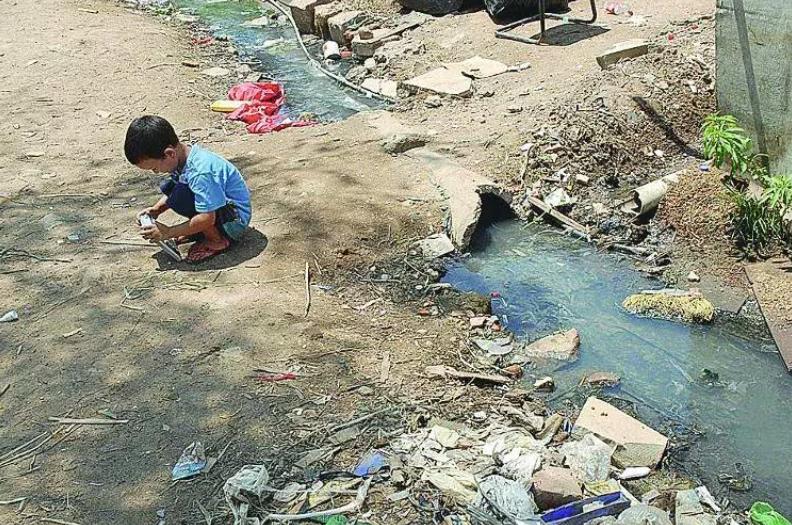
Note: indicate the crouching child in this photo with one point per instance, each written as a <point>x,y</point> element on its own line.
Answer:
<point>202,186</point>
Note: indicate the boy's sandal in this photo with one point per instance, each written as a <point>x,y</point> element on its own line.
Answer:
<point>200,252</point>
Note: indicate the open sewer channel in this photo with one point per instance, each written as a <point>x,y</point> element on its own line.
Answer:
<point>549,282</point>
<point>274,51</point>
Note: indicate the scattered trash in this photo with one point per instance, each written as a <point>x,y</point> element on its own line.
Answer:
<point>635,473</point>
<point>226,106</point>
<point>191,462</point>
<point>559,198</point>
<point>646,198</point>
<point>506,498</point>
<point>435,246</point>
<point>689,511</point>
<point>689,306</point>
<point>289,493</point>
<point>370,464</point>
<point>261,111</point>
<point>494,347</point>
<point>250,480</point>
<point>617,8</point>
<point>447,371</point>
<point>706,498</point>
<point>9,317</point>
<point>589,459</point>
<point>457,484</point>
<point>642,514</point>
<point>544,384</point>
<point>583,511</point>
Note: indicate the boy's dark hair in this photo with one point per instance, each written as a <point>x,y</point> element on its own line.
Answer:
<point>147,138</point>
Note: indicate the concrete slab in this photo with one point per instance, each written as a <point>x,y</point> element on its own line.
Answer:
<point>637,444</point>
<point>772,286</point>
<point>322,14</point>
<point>303,12</point>
<point>477,67</point>
<point>622,51</point>
<point>442,81</point>
<point>365,47</point>
<point>726,298</point>
<point>463,189</point>
<point>339,24</point>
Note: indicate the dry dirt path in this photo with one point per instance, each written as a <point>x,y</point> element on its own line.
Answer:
<point>106,327</point>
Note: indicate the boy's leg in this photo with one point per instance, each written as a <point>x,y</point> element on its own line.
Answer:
<point>181,200</point>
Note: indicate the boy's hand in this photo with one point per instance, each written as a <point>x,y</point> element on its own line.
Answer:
<point>155,233</point>
<point>151,212</point>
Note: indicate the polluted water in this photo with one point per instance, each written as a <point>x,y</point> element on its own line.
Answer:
<point>720,388</point>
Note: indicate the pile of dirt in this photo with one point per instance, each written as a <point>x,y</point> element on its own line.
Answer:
<point>631,124</point>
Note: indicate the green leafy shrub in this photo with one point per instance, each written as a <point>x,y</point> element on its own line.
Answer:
<point>724,140</point>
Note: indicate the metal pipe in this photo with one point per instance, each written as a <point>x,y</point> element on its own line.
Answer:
<point>541,17</point>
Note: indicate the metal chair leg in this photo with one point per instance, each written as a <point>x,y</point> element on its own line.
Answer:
<point>504,32</point>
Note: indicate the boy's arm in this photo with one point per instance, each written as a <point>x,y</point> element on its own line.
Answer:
<point>198,223</point>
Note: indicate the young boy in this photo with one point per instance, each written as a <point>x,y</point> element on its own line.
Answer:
<point>202,186</point>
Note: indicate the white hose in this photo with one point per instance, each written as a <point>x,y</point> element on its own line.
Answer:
<point>319,66</point>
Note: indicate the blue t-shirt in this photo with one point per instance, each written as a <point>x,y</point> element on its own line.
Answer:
<point>215,182</point>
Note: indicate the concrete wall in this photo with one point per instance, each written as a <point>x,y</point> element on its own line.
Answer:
<point>754,75</point>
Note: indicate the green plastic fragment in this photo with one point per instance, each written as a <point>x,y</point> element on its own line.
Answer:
<point>763,514</point>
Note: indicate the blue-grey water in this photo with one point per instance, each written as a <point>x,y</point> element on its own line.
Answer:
<point>275,53</point>
<point>549,282</point>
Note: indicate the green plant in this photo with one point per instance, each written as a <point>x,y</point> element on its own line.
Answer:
<point>724,140</point>
<point>778,192</point>
<point>756,224</point>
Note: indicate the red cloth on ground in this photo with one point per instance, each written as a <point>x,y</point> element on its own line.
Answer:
<point>262,111</point>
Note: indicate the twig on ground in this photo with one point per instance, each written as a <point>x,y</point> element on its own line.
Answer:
<point>59,522</point>
<point>307,289</point>
<point>355,421</point>
<point>360,498</point>
<point>87,421</point>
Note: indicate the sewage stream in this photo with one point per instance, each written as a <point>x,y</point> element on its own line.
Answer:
<point>549,282</point>
<point>274,51</point>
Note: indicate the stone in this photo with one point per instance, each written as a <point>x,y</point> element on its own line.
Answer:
<point>589,459</point>
<point>365,47</point>
<point>555,486</point>
<point>601,378</point>
<point>384,87</point>
<point>303,12</point>
<point>477,67</point>
<point>370,64</point>
<point>433,101</point>
<point>435,246</point>
<point>186,19</point>
<point>402,142</point>
<point>643,515</point>
<point>496,347</point>
<point>689,510</point>
<point>216,72</point>
<point>322,14</point>
<point>561,346</point>
<point>637,444</point>
<point>365,391</point>
<point>693,277</point>
<point>340,23</point>
<point>262,21</point>
<point>544,384</point>
<point>442,81</point>
<point>622,51</point>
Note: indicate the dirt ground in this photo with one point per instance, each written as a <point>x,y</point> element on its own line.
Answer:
<point>106,328</point>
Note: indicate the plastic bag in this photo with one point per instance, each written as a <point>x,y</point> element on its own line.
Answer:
<point>588,458</point>
<point>763,514</point>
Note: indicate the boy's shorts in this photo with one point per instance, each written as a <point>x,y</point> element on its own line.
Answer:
<point>181,200</point>
<point>234,229</point>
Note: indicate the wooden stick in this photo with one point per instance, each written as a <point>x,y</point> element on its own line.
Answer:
<point>557,215</point>
<point>307,289</point>
<point>88,421</point>
<point>355,421</point>
<point>4,389</point>
<point>447,371</point>
<point>59,522</point>
<point>12,501</point>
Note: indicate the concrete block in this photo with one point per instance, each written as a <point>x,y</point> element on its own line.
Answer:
<point>555,486</point>
<point>340,23</point>
<point>624,50</point>
<point>365,47</point>
<point>322,14</point>
<point>442,81</point>
<point>637,444</point>
<point>303,12</point>
<point>386,88</point>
